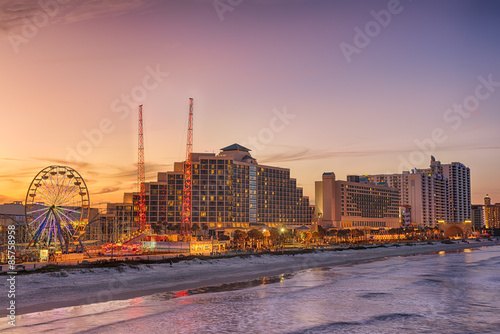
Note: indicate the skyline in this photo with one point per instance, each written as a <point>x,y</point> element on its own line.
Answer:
<point>367,87</point>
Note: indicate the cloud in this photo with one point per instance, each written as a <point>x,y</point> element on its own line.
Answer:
<point>91,9</point>
<point>107,190</point>
<point>14,181</point>
<point>15,14</point>
<point>12,159</point>
<point>93,173</point>
<point>487,148</point>
<point>6,199</point>
<point>53,162</point>
<point>300,154</point>
<point>20,174</point>
<point>130,173</point>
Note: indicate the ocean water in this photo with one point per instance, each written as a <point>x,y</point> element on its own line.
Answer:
<point>448,292</point>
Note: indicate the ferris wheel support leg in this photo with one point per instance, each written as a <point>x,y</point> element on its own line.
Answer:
<point>37,234</point>
<point>60,235</point>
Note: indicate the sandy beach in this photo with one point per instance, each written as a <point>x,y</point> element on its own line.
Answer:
<point>79,286</point>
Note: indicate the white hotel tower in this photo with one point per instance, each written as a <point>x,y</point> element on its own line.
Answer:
<point>459,197</point>
<point>440,192</point>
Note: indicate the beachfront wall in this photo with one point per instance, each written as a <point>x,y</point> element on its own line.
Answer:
<point>355,204</point>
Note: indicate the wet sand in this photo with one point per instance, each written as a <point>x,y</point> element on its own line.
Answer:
<point>79,286</point>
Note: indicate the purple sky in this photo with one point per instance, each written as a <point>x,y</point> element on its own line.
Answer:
<point>370,109</point>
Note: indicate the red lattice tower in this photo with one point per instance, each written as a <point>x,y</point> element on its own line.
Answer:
<point>187,195</point>
<point>141,177</point>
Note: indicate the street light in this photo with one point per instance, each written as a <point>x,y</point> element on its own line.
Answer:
<point>264,235</point>
<point>282,230</point>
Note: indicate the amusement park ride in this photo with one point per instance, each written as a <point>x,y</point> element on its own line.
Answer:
<point>57,209</point>
<point>187,194</point>
<point>58,205</point>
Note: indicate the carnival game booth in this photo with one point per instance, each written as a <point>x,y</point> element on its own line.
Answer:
<point>121,250</point>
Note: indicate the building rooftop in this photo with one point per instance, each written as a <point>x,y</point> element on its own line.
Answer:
<point>235,147</point>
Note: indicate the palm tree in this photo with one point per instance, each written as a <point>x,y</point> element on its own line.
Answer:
<point>332,233</point>
<point>254,235</point>
<point>239,237</point>
<point>174,227</point>
<point>266,234</point>
<point>274,235</point>
<point>343,233</point>
<point>156,227</point>
<point>356,233</point>
<point>306,236</point>
<point>195,228</point>
<point>317,235</point>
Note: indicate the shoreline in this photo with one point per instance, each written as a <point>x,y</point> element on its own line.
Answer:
<point>127,280</point>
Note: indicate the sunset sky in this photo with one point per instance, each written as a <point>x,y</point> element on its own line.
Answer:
<point>352,87</point>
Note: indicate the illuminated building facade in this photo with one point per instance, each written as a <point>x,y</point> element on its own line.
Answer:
<point>491,213</point>
<point>438,193</point>
<point>424,193</point>
<point>229,190</point>
<point>405,215</point>
<point>356,203</point>
<point>459,194</point>
<point>477,220</point>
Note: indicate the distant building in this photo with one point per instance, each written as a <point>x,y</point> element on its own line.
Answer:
<point>458,176</point>
<point>12,214</point>
<point>14,210</point>
<point>491,213</point>
<point>229,190</point>
<point>355,203</point>
<point>425,193</point>
<point>438,193</point>
<point>111,224</point>
<point>405,215</point>
<point>477,217</point>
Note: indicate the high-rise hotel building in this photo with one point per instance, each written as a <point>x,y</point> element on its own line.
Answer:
<point>440,192</point>
<point>491,213</point>
<point>356,203</point>
<point>229,190</point>
<point>459,192</point>
<point>477,220</point>
<point>425,193</point>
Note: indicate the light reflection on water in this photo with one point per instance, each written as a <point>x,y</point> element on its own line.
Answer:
<point>443,293</point>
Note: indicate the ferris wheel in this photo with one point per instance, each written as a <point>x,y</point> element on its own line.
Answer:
<point>57,207</point>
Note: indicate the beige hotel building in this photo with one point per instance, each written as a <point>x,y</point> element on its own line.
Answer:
<point>355,203</point>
